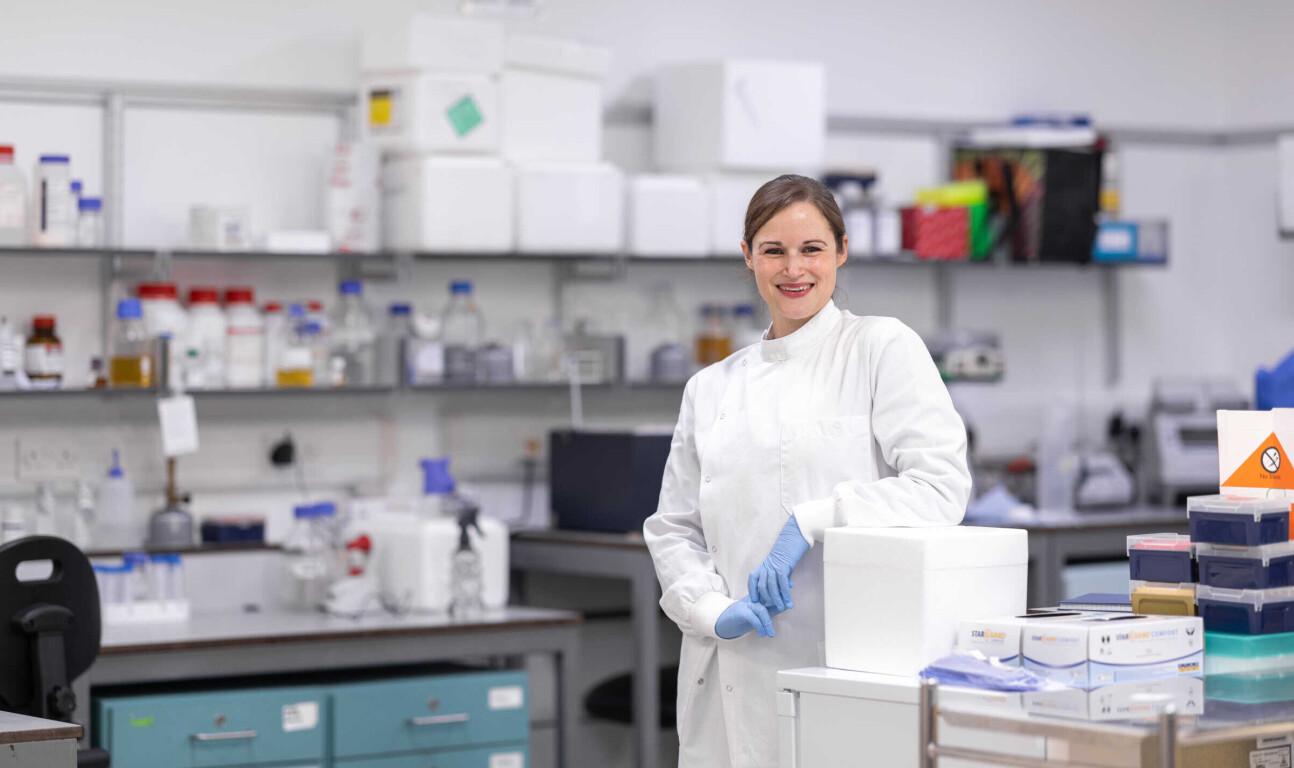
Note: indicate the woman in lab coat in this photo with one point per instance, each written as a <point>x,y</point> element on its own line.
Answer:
<point>833,419</point>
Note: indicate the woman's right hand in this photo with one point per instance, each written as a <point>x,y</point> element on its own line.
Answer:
<point>743,616</point>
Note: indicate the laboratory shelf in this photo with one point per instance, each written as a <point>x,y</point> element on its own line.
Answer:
<point>312,392</point>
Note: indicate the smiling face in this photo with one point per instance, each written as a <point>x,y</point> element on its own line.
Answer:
<point>794,258</point>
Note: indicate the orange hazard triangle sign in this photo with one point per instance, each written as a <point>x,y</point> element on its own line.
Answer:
<point>1267,467</point>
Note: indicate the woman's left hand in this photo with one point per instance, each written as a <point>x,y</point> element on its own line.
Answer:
<point>770,583</point>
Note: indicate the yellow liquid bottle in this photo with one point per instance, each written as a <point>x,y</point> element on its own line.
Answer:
<point>295,377</point>
<point>130,372</point>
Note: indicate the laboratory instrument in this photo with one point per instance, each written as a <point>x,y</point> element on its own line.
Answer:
<point>89,223</point>
<point>1181,443</point>
<point>206,338</point>
<point>964,355</point>
<point>606,480</point>
<point>1103,482</point>
<point>171,527</point>
<point>244,340</point>
<point>13,200</point>
<point>352,339</point>
<point>54,205</point>
<point>462,333</point>
<point>130,362</point>
<point>309,563</point>
<point>43,354</point>
<point>923,581</point>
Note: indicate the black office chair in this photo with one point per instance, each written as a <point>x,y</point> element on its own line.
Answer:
<point>49,630</point>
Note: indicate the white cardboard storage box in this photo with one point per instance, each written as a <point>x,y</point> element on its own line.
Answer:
<point>409,112</point>
<point>740,115</point>
<point>552,99</point>
<point>431,42</point>
<point>668,216</point>
<point>894,596</point>
<point>570,208</point>
<point>448,204</point>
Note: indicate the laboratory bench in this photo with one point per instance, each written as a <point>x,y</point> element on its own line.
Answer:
<point>35,743</point>
<point>1055,539</point>
<point>220,646</point>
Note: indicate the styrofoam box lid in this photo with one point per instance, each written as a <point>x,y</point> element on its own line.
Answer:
<point>1160,542</point>
<point>661,182</point>
<point>1255,597</point>
<point>939,548</point>
<point>557,55</point>
<point>1257,508</point>
<point>1263,552</point>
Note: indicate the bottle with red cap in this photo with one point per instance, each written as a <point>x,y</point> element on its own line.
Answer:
<point>13,200</point>
<point>244,340</point>
<point>275,321</point>
<point>205,341</point>
<point>163,316</point>
<point>43,356</point>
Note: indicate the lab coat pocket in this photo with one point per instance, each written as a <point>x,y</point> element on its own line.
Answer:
<point>819,454</point>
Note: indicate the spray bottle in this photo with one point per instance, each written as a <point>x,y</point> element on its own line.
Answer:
<point>465,577</point>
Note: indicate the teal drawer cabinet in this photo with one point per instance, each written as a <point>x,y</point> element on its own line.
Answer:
<point>516,756</point>
<point>221,728</point>
<point>430,713</point>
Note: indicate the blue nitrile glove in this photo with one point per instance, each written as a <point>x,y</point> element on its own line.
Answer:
<point>741,617</point>
<point>770,583</point>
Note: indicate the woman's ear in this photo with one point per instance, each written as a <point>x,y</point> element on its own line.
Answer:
<point>843,254</point>
<point>748,256</point>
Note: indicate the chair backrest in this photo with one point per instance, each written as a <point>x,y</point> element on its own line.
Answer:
<point>67,582</point>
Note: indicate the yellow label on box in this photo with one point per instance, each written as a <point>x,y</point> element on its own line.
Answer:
<point>379,108</point>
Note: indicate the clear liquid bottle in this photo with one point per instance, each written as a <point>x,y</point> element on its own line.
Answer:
<point>463,331</point>
<point>130,360</point>
<point>393,344</point>
<point>13,200</point>
<point>116,525</point>
<point>307,558</point>
<point>296,363</point>
<point>746,328</point>
<point>353,338</point>
<point>466,586</point>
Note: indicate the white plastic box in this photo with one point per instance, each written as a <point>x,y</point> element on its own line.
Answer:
<point>668,216</point>
<point>999,637</point>
<point>407,112</point>
<point>730,195</point>
<point>570,208</point>
<point>894,596</point>
<point>448,204</point>
<point>427,41</point>
<point>740,115</point>
<point>413,557</point>
<point>552,99</point>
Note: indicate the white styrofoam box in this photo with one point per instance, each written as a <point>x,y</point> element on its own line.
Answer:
<point>668,216</point>
<point>430,112</point>
<point>557,55</point>
<point>740,115</point>
<point>448,204</point>
<point>894,596</point>
<point>550,116</point>
<point>428,41</point>
<point>570,208</point>
<point>730,195</point>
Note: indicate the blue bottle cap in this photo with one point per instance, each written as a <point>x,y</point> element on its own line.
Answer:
<point>460,287</point>
<point>351,288</point>
<point>77,186</point>
<point>129,309</point>
<point>115,469</point>
<point>53,158</point>
<point>90,204</point>
<point>311,327</point>
<point>296,310</point>
<point>436,478</point>
<point>325,509</point>
<point>401,308</point>
<point>744,310</point>
<point>133,559</point>
<point>304,511</point>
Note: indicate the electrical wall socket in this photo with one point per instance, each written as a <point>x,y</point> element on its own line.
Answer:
<point>45,460</point>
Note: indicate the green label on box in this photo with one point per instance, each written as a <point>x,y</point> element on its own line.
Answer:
<point>142,722</point>
<point>464,115</point>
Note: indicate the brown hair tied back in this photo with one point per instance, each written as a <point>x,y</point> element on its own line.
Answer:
<point>786,190</point>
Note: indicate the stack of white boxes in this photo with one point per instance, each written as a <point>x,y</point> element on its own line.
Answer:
<point>568,200</point>
<point>430,100</point>
<point>734,125</point>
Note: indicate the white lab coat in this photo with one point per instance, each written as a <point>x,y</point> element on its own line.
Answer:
<point>843,422</point>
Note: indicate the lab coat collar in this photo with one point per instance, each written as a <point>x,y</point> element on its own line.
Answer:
<point>807,336</point>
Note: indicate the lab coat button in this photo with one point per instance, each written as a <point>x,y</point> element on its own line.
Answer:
<point>730,689</point>
<point>722,415</point>
<point>743,363</point>
<point>707,478</point>
<point>714,548</point>
<point>701,681</point>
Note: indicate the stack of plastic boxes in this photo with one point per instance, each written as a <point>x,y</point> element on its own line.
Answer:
<point>1163,573</point>
<point>430,101</point>
<point>720,130</point>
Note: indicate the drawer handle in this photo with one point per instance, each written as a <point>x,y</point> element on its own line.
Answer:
<point>439,719</point>
<point>224,736</point>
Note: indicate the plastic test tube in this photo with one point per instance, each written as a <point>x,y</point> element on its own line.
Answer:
<point>137,575</point>
<point>159,571</point>
<point>178,587</point>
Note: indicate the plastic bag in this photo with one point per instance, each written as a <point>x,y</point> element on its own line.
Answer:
<point>972,669</point>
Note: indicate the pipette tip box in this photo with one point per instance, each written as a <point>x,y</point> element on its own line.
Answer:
<point>1238,521</point>
<point>1261,567</point>
<point>1166,557</point>
<point>1246,611</point>
<point>1156,598</point>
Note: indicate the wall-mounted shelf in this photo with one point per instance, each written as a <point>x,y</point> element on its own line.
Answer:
<point>324,392</point>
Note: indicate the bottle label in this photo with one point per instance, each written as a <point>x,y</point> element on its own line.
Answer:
<point>244,356</point>
<point>460,364</point>
<point>43,360</point>
<point>13,207</point>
